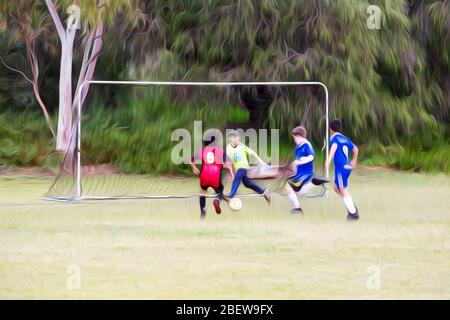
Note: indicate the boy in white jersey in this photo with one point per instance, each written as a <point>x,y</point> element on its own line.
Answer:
<point>340,150</point>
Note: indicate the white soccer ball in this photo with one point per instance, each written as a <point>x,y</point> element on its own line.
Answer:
<point>235,204</point>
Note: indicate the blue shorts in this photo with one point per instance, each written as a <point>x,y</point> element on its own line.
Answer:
<point>298,181</point>
<point>341,175</point>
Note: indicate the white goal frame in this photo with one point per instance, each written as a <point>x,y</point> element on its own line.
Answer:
<point>79,195</point>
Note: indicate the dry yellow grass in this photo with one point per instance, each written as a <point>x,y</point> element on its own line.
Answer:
<point>160,249</point>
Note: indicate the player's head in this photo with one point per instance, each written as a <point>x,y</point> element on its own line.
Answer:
<point>209,141</point>
<point>335,126</point>
<point>299,134</point>
<point>233,137</point>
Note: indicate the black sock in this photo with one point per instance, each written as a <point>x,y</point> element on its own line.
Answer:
<point>202,201</point>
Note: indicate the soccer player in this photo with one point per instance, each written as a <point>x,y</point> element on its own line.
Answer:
<point>340,150</point>
<point>212,159</point>
<point>303,167</point>
<point>239,155</point>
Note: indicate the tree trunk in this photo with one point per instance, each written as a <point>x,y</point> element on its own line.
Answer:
<point>66,141</point>
<point>64,137</point>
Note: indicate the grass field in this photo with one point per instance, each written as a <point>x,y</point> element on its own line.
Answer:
<point>160,249</point>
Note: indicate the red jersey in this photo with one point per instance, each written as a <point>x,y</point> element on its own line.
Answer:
<point>212,164</point>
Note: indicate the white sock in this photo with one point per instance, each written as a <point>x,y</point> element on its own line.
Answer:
<point>293,200</point>
<point>348,201</point>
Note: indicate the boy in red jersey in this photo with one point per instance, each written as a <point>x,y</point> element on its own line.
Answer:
<point>212,159</point>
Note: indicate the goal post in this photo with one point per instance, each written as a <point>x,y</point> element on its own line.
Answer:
<point>78,194</point>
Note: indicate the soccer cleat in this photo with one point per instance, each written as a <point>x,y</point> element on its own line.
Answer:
<point>318,181</point>
<point>266,195</point>
<point>353,216</point>
<point>202,214</point>
<point>297,211</point>
<point>216,204</point>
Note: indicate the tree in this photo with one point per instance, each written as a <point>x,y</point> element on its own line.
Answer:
<point>94,31</point>
<point>26,23</point>
<point>90,19</point>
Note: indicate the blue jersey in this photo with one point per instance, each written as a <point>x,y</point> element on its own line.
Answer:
<point>344,148</point>
<point>304,149</point>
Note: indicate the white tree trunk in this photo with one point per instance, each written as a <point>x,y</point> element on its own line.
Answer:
<point>67,37</point>
<point>92,50</point>
<point>65,136</point>
<point>64,140</point>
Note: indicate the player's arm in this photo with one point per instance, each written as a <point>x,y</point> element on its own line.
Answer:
<point>354,161</point>
<point>331,156</point>
<point>194,167</point>
<point>302,160</point>
<point>229,167</point>
<point>228,164</point>
<point>250,152</point>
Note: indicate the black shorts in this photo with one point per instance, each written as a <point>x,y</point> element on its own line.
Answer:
<point>218,190</point>
<point>298,183</point>
<point>296,186</point>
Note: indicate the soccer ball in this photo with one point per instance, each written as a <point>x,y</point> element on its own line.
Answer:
<point>235,204</point>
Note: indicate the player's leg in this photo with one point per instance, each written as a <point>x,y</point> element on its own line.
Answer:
<point>298,187</point>
<point>349,204</point>
<point>292,197</point>
<point>306,188</point>
<point>248,183</point>
<point>216,202</point>
<point>240,173</point>
<point>337,182</point>
<point>252,185</point>
<point>305,184</point>
<point>342,186</point>
<point>336,189</point>
<point>202,202</point>
<point>219,191</point>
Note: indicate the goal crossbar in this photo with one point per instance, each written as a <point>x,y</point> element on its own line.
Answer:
<point>78,194</point>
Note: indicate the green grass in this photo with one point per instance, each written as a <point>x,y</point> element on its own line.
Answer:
<point>160,249</point>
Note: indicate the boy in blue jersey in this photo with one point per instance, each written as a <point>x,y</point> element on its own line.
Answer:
<point>340,149</point>
<point>303,167</point>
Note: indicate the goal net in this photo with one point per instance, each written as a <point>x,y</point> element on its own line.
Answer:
<point>135,139</point>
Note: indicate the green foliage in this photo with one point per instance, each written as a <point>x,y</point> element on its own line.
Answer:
<point>383,83</point>
<point>25,140</point>
<point>136,135</point>
<point>390,86</point>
